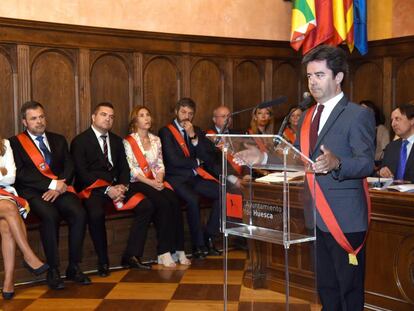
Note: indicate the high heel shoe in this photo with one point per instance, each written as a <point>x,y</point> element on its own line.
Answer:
<point>182,258</point>
<point>7,295</point>
<point>166,260</point>
<point>38,271</point>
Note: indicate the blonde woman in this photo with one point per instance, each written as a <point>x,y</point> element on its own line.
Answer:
<point>12,227</point>
<point>262,121</point>
<point>144,156</point>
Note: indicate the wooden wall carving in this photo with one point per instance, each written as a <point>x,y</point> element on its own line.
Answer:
<point>248,89</point>
<point>7,91</point>
<point>71,68</point>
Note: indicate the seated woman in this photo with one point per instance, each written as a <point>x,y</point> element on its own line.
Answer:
<point>144,155</point>
<point>292,128</point>
<point>12,227</point>
<point>262,122</point>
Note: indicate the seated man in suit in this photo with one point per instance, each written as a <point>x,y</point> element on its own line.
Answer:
<point>45,171</point>
<point>398,161</point>
<point>234,171</point>
<point>185,149</point>
<point>102,176</point>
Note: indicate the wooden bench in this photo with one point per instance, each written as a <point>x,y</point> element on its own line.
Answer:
<point>117,227</point>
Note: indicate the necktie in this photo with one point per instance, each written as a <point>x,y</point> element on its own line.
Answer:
<point>105,151</point>
<point>46,153</point>
<point>186,138</point>
<point>403,161</point>
<point>313,135</point>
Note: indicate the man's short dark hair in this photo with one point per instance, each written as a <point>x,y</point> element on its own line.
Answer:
<point>379,116</point>
<point>29,105</point>
<point>103,104</point>
<point>407,109</point>
<point>185,102</point>
<point>335,58</point>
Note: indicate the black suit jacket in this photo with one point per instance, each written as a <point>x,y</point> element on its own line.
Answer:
<point>90,161</point>
<point>177,165</point>
<point>29,181</point>
<point>392,158</point>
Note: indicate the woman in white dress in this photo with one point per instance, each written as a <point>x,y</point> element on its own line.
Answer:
<point>144,155</point>
<point>12,227</point>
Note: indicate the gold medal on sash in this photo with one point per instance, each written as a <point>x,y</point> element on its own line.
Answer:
<point>353,259</point>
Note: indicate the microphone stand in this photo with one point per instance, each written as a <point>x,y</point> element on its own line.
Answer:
<point>226,123</point>
<point>283,127</point>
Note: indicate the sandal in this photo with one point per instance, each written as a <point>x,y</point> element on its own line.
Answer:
<point>182,258</point>
<point>166,260</point>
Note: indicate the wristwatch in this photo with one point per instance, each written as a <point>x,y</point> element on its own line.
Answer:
<point>194,137</point>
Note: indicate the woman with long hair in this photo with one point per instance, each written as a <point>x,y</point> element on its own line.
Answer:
<point>261,122</point>
<point>144,155</point>
<point>292,127</point>
<point>12,227</point>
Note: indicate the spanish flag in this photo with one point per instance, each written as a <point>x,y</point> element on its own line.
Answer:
<point>303,21</point>
<point>336,22</point>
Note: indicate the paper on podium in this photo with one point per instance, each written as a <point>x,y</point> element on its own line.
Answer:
<point>279,177</point>
<point>402,188</point>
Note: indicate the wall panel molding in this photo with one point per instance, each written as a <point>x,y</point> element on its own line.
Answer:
<point>156,69</point>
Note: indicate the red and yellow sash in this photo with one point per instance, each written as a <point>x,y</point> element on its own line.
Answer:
<point>130,204</point>
<point>38,159</point>
<point>259,142</point>
<point>322,204</point>
<point>179,138</point>
<point>229,157</point>
<point>142,161</point>
<point>289,135</point>
<point>22,204</point>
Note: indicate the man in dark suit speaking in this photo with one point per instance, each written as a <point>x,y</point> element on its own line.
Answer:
<point>45,171</point>
<point>102,178</point>
<point>398,161</point>
<point>339,137</point>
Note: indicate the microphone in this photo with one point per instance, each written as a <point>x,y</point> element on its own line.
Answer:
<point>277,101</point>
<point>306,102</point>
<point>303,105</point>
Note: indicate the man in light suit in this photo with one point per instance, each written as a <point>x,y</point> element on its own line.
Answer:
<point>393,165</point>
<point>344,155</point>
<point>102,172</point>
<point>45,184</point>
<point>339,137</point>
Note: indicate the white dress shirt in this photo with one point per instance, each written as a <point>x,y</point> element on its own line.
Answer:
<point>101,144</point>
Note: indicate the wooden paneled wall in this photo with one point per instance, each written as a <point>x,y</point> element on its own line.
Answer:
<point>70,69</point>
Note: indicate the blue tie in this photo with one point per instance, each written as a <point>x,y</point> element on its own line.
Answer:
<point>46,153</point>
<point>403,161</point>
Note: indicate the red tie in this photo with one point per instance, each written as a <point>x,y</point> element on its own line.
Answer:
<point>313,135</point>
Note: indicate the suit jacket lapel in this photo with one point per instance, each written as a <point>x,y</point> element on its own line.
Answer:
<point>94,141</point>
<point>52,147</point>
<point>113,148</point>
<point>331,120</point>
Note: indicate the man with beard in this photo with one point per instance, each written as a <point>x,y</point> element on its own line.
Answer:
<point>185,149</point>
<point>45,171</point>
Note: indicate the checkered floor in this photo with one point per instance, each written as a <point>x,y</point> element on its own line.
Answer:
<point>199,288</point>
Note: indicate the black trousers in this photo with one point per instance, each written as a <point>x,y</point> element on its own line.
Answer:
<point>167,217</point>
<point>190,190</point>
<point>95,208</point>
<point>340,285</point>
<point>67,206</point>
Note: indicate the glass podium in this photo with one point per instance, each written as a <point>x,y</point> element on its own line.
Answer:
<point>272,203</point>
